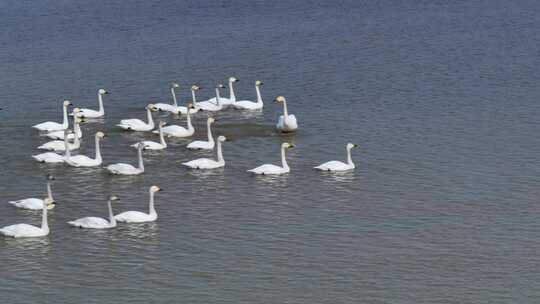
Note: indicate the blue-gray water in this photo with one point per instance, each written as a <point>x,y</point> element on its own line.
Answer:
<point>441,96</point>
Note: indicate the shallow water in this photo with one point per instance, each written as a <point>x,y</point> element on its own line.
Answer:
<point>442,98</point>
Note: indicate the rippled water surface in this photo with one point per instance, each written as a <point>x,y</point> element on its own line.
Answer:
<point>441,96</point>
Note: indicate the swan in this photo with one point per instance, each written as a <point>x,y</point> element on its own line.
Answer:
<point>25,230</point>
<point>127,169</point>
<point>201,144</point>
<point>178,131</point>
<point>194,109</point>
<point>93,222</point>
<point>335,165</point>
<point>59,135</point>
<point>49,126</point>
<point>140,217</point>
<point>59,145</point>
<point>286,122</point>
<point>250,105</point>
<point>226,101</point>
<point>152,145</point>
<point>207,163</point>
<point>211,105</point>
<point>85,161</point>
<point>36,203</point>
<point>89,113</point>
<point>137,124</point>
<point>168,107</point>
<point>273,169</point>
<point>54,158</point>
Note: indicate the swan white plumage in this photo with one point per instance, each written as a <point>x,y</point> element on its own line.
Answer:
<point>250,105</point>
<point>168,107</point>
<point>152,145</point>
<point>208,163</point>
<point>223,100</point>
<point>59,135</point>
<point>92,222</point>
<point>55,158</point>
<point>137,124</point>
<point>36,203</point>
<point>269,169</point>
<point>25,230</point>
<point>50,126</point>
<point>140,217</point>
<point>336,165</point>
<point>213,105</point>
<point>89,113</point>
<point>127,169</point>
<point>286,122</point>
<point>178,131</point>
<point>59,145</point>
<point>194,109</point>
<point>85,161</point>
<point>201,144</point>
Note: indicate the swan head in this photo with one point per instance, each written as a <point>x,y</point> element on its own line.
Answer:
<point>211,120</point>
<point>195,87</point>
<point>175,85</point>
<point>67,103</point>
<point>190,105</point>
<point>102,92</point>
<point>258,83</point>
<point>350,146</point>
<point>50,177</point>
<point>155,189</point>
<point>221,86</point>
<point>279,99</point>
<point>162,123</point>
<point>222,138</point>
<point>49,203</point>
<point>287,145</point>
<point>100,134</point>
<point>233,79</point>
<point>113,198</point>
<point>151,107</point>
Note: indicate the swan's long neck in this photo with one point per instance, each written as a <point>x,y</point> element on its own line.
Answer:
<point>209,131</point>
<point>259,98</point>
<point>65,121</point>
<point>283,160</point>
<point>232,97</point>
<point>349,158</point>
<point>220,153</point>
<point>49,191</point>
<point>161,137</point>
<point>285,112</point>
<point>217,96</point>
<point>149,116</point>
<point>193,97</point>
<point>67,152</point>
<point>112,220</point>
<point>100,102</point>
<point>77,130</point>
<point>44,224</point>
<point>174,97</point>
<point>141,163</point>
<point>76,127</point>
<point>98,150</point>
<point>151,208</point>
<point>189,126</point>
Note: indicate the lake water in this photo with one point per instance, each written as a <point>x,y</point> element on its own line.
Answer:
<point>441,96</point>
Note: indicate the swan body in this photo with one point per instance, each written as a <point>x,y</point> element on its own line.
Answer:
<point>85,161</point>
<point>140,217</point>
<point>269,169</point>
<point>54,158</point>
<point>137,124</point>
<point>152,145</point>
<point>286,122</point>
<point>165,107</point>
<point>201,144</point>
<point>223,100</point>
<point>127,169</point>
<point>178,131</point>
<point>250,105</point>
<point>50,126</point>
<point>89,113</point>
<point>36,203</point>
<point>59,145</point>
<point>59,135</point>
<point>214,104</point>
<point>207,163</point>
<point>335,165</point>
<point>195,108</point>
<point>92,222</point>
<point>25,230</point>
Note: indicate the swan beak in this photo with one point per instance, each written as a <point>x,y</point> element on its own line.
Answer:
<point>355,145</point>
<point>292,146</point>
<point>106,92</point>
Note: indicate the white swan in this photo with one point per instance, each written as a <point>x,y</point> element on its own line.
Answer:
<point>178,131</point>
<point>250,105</point>
<point>93,222</point>
<point>226,101</point>
<point>286,122</point>
<point>89,113</point>
<point>59,135</point>
<point>207,163</point>
<point>273,169</point>
<point>195,108</point>
<point>212,105</point>
<point>201,144</point>
<point>85,161</point>
<point>50,126</point>
<point>165,107</point>
<point>55,158</point>
<point>127,169</point>
<point>25,230</point>
<point>59,145</point>
<point>335,165</point>
<point>140,217</point>
<point>36,203</point>
<point>137,124</point>
<point>152,145</point>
